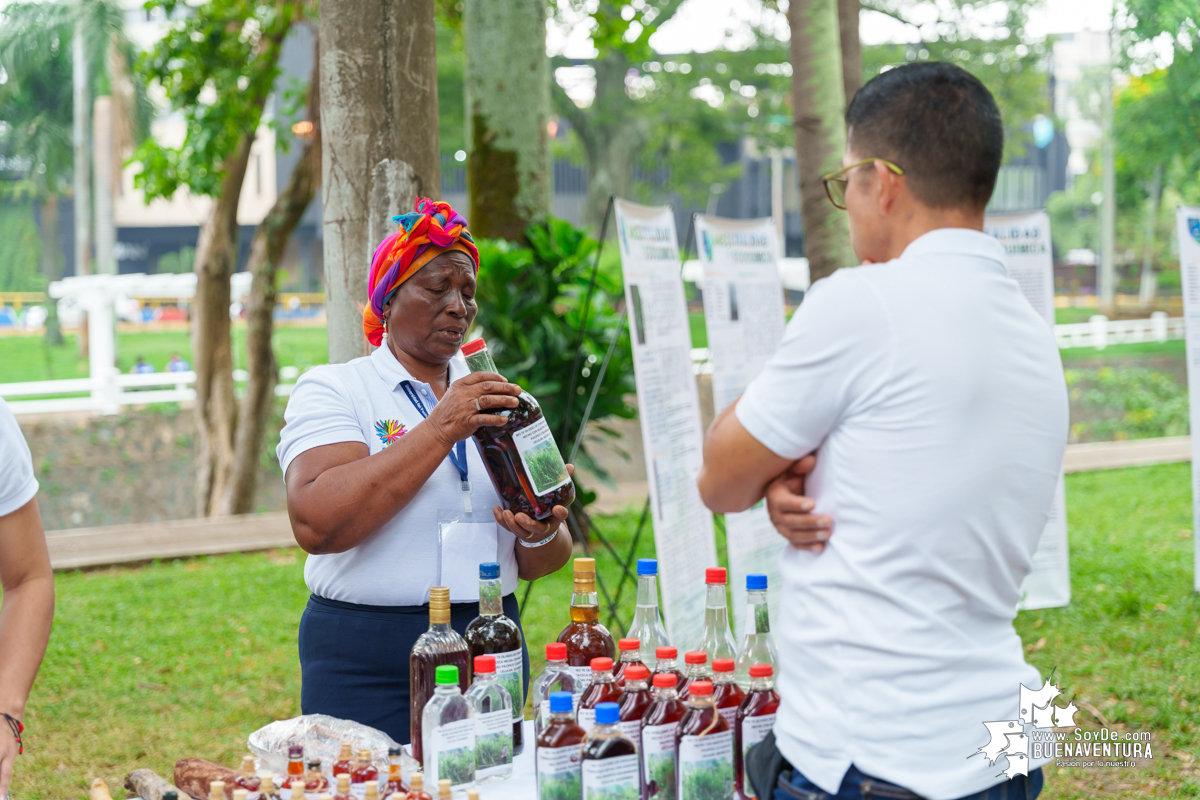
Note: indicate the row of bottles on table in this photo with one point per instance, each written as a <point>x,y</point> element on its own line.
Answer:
<point>343,787</point>
<point>655,745</point>
<point>716,639</point>
<point>362,778</point>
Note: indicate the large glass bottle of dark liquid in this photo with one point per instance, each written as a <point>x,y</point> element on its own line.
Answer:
<point>439,645</point>
<point>492,633</point>
<point>610,758</point>
<point>522,458</point>
<point>585,637</point>
<point>755,719</point>
<point>703,748</point>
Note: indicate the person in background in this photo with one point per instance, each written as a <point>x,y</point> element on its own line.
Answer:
<point>933,397</point>
<point>177,364</point>
<point>140,367</point>
<point>27,607</point>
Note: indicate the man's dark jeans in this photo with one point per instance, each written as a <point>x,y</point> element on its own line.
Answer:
<point>857,786</point>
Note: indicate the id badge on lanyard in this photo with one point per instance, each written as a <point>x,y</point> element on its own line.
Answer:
<point>458,454</point>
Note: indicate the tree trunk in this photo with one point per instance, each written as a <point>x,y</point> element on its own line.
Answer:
<point>266,254</point>
<point>507,80</point>
<point>848,14</point>
<point>102,161</point>
<point>818,100</point>
<point>380,142</point>
<point>83,203</point>
<point>216,259</point>
<point>51,265</point>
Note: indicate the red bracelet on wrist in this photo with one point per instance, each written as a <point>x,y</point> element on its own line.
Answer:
<point>17,730</point>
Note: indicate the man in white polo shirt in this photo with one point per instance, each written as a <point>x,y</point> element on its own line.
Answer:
<point>933,397</point>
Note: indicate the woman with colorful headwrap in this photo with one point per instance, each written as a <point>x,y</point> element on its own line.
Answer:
<point>386,490</point>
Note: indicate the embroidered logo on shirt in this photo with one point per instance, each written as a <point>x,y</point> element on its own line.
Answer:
<point>389,430</point>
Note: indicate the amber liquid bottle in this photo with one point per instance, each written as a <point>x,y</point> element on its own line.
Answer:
<point>364,773</point>
<point>492,633</point>
<point>394,784</point>
<point>293,783</point>
<point>630,650</point>
<point>247,776</point>
<point>557,750</point>
<point>755,719</point>
<point>439,645</point>
<point>345,762</point>
<point>703,743</point>
<point>522,458</point>
<point>417,790</point>
<point>585,637</point>
<point>659,724</point>
<point>314,780</point>
<point>619,775</point>
<point>727,694</point>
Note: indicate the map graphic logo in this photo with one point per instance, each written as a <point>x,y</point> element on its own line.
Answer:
<point>1007,737</point>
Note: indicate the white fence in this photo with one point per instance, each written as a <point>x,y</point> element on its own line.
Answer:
<point>1100,331</point>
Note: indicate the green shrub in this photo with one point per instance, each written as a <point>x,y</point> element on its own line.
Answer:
<point>1127,403</point>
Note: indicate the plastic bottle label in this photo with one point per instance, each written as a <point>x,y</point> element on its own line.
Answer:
<point>451,754</point>
<point>658,759</point>
<point>755,729</point>
<point>543,463</point>
<point>704,762</point>
<point>543,714</point>
<point>508,675</point>
<point>583,679</point>
<point>633,729</point>
<point>359,790</point>
<point>751,627</point>
<point>493,744</point>
<point>558,771</point>
<point>586,718</point>
<point>729,714</point>
<point>608,778</point>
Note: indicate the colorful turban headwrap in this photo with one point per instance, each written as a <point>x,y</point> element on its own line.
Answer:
<point>432,229</point>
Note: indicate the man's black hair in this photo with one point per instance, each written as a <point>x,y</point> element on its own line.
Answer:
<point>939,124</point>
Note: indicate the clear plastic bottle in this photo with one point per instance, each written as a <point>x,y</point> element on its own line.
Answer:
<point>448,729</point>
<point>717,639</point>
<point>726,693</point>
<point>635,699</point>
<point>602,689</point>
<point>631,653</point>
<point>704,748</point>
<point>758,644</point>
<point>755,719</point>
<point>659,724</point>
<point>647,626</point>
<point>696,669</point>
<point>556,677</point>
<point>557,754</point>
<point>610,766</point>
<point>439,645</point>
<point>668,662</point>
<point>492,705</point>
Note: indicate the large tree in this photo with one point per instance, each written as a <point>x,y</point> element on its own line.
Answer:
<point>216,65</point>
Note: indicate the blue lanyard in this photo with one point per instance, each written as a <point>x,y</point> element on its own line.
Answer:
<point>459,458</point>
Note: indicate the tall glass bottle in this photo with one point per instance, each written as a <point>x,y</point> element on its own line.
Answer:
<point>704,747</point>
<point>717,639</point>
<point>658,739</point>
<point>585,637</point>
<point>557,754</point>
<point>492,633</point>
<point>755,719</point>
<point>631,653</point>
<point>610,758</point>
<point>556,677</point>
<point>647,626</point>
<point>439,645</point>
<point>522,457</point>
<point>492,705</point>
<point>448,727</point>
<point>758,645</point>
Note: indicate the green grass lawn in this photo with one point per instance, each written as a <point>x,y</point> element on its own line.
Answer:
<point>186,658</point>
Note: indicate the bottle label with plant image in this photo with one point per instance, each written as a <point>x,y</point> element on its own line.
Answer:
<point>705,765</point>
<point>658,759</point>
<point>609,778</point>
<point>543,463</point>
<point>452,752</point>
<point>508,674</point>
<point>558,772</point>
<point>493,743</point>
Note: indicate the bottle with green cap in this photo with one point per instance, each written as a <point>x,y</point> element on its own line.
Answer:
<point>448,732</point>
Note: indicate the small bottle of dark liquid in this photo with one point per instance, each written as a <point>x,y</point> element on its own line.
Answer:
<point>704,748</point>
<point>439,645</point>
<point>610,758</point>
<point>394,783</point>
<point>635,699</point>
<point>603,689</point>
<point>315,780</point>
<point>345,761</point>
<point>755,719</point>
<point>364,772</point>
<point>492,633</point>
<point>417,788</point>
<point>558,753</point>
<point>585,637</point>
<point>631,653</point>
<point>727,694</point>
<point>658,739</point>
<point>248,776</point>
<point>668,662</point>
<point>522,457</point>
<point>295,773</point>
<point>697,670</point>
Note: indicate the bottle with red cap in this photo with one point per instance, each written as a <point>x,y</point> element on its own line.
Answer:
<point>727,694</point>
<point>668,663</point>
<point>717,639</point>
<point>635,699</point>
<point>755,719</point>
<point>703,748</point>
<point>556,677</point>
<point>659,724</point>
<point>492,705</point>
<point>631,653</point>
<point>696,669</point>
<point>522,457</point>
<point>603,689</point>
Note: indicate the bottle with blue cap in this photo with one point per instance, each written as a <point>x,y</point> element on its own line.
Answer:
<point>448,732</point>
<point>758,644</point>
<point>557,750</point>
<point>610,758</point>
<point>494,634</point>
<point>647,626</point>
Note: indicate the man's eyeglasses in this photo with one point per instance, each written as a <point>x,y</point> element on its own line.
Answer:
<point>835,182</point>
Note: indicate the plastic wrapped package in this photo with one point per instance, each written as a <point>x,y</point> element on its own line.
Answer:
<point>321,736</point>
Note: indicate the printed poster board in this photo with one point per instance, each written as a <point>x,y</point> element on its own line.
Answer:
<point>743,312</point>
<point>1187,219</point>
<point>669,410</point>
<point>1026,240</point>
